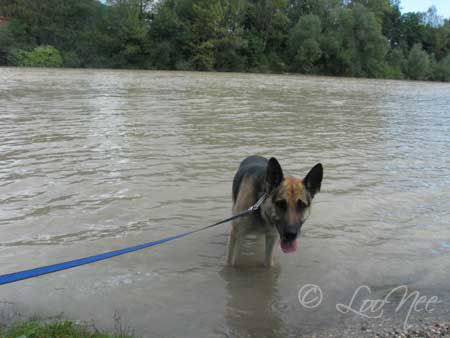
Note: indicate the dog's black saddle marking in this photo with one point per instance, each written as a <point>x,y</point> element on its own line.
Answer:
<point>255,167</point>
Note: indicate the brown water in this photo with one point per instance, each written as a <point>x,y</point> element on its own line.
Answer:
<point>92,161</point>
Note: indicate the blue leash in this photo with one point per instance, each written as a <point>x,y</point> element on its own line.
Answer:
<point>31,273</point>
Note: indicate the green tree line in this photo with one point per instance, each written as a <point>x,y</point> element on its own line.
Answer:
<point>360,38</point>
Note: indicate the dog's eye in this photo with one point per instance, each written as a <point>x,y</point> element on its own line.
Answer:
<point>300,205</point>
<point>282,204</point>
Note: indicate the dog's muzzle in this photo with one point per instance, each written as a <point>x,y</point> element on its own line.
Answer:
<point>289,236</point>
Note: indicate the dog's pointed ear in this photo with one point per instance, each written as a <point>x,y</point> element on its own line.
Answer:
<point>274,174</point>
<point>313,180</point>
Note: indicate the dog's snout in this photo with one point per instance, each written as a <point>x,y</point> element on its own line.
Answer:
<point>290,236</point>
<point>292,229</point>
<point>291,232</point>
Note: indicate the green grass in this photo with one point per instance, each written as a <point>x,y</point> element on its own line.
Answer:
<point>64,329</point>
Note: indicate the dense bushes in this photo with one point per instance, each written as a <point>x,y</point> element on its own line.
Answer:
<point>42,56</point>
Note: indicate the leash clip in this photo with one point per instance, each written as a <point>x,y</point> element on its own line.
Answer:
<point>256,206</point>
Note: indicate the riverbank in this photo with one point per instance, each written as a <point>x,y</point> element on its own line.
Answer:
<point>66,329</point>
<point>426,329</point>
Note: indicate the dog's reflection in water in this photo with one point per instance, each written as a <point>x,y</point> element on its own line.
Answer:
<point>251,307</point>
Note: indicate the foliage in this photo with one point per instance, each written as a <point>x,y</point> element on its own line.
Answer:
<point>35,329</point>
<point>418,63</point>
<point>331,37</point>
<point>304,45</point>
<point>441,70</point>
<point>395,64</point>
<point>42,56</point>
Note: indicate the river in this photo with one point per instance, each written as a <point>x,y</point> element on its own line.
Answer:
<point>96,160</point>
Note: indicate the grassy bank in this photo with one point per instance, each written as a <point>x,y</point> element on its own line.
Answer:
<point>67,329</point>
<point>64,329</point>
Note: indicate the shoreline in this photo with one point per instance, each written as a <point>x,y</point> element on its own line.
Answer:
<point>426,329</point>
<point>67,328</point>
<point>55,329</point>
<point>230,72</point>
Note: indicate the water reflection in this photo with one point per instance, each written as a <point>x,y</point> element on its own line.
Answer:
<point>252,298</point>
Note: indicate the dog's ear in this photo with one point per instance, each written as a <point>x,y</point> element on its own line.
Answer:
<point>274,174</point>
<point>313,180</point>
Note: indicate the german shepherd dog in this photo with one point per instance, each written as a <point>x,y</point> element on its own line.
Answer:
<point>282,213</point>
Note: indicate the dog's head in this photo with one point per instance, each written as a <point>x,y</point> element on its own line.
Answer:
<point>289,201</point>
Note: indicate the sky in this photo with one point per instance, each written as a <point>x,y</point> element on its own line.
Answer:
<point>443,6</point>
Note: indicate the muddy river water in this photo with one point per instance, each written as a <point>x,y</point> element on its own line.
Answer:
<point>96,160</point>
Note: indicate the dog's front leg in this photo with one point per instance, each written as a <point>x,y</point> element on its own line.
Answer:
<point>233,246</point>
<point>271,242</point>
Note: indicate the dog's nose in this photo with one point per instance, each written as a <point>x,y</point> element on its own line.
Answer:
<point>292,228</point>
<point>290,236</point>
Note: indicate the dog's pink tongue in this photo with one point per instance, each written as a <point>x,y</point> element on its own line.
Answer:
<point>289,247</point>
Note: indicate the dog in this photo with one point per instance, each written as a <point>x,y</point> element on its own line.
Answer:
<point>283,212</point>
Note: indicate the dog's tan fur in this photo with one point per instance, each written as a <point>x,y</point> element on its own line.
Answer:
<point>292,189</point>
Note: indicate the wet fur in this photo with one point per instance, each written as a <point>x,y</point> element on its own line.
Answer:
<point>257,175</point>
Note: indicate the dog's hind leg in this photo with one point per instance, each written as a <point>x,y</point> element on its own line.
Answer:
<point>271,242</point>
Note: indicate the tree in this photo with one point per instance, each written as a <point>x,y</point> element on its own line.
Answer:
<point>13,36</point>
<point>142,6</point>
<point>392,26</point>
<point>431,18</point>
<point>369,45</point>
<point>265,28</point>
<point>207,26</point>
<point>354,44</point>
<point>396,62</point>
<point>412,30</point>
<point>169,35</point>
<point>321,8</point>
<point>66,25</point>
<point>418,63</point>
<point>441,70</point>
<point>304,43</point>
<point>123,36</point>
<point>377,7</point>
<point>229,51</point>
